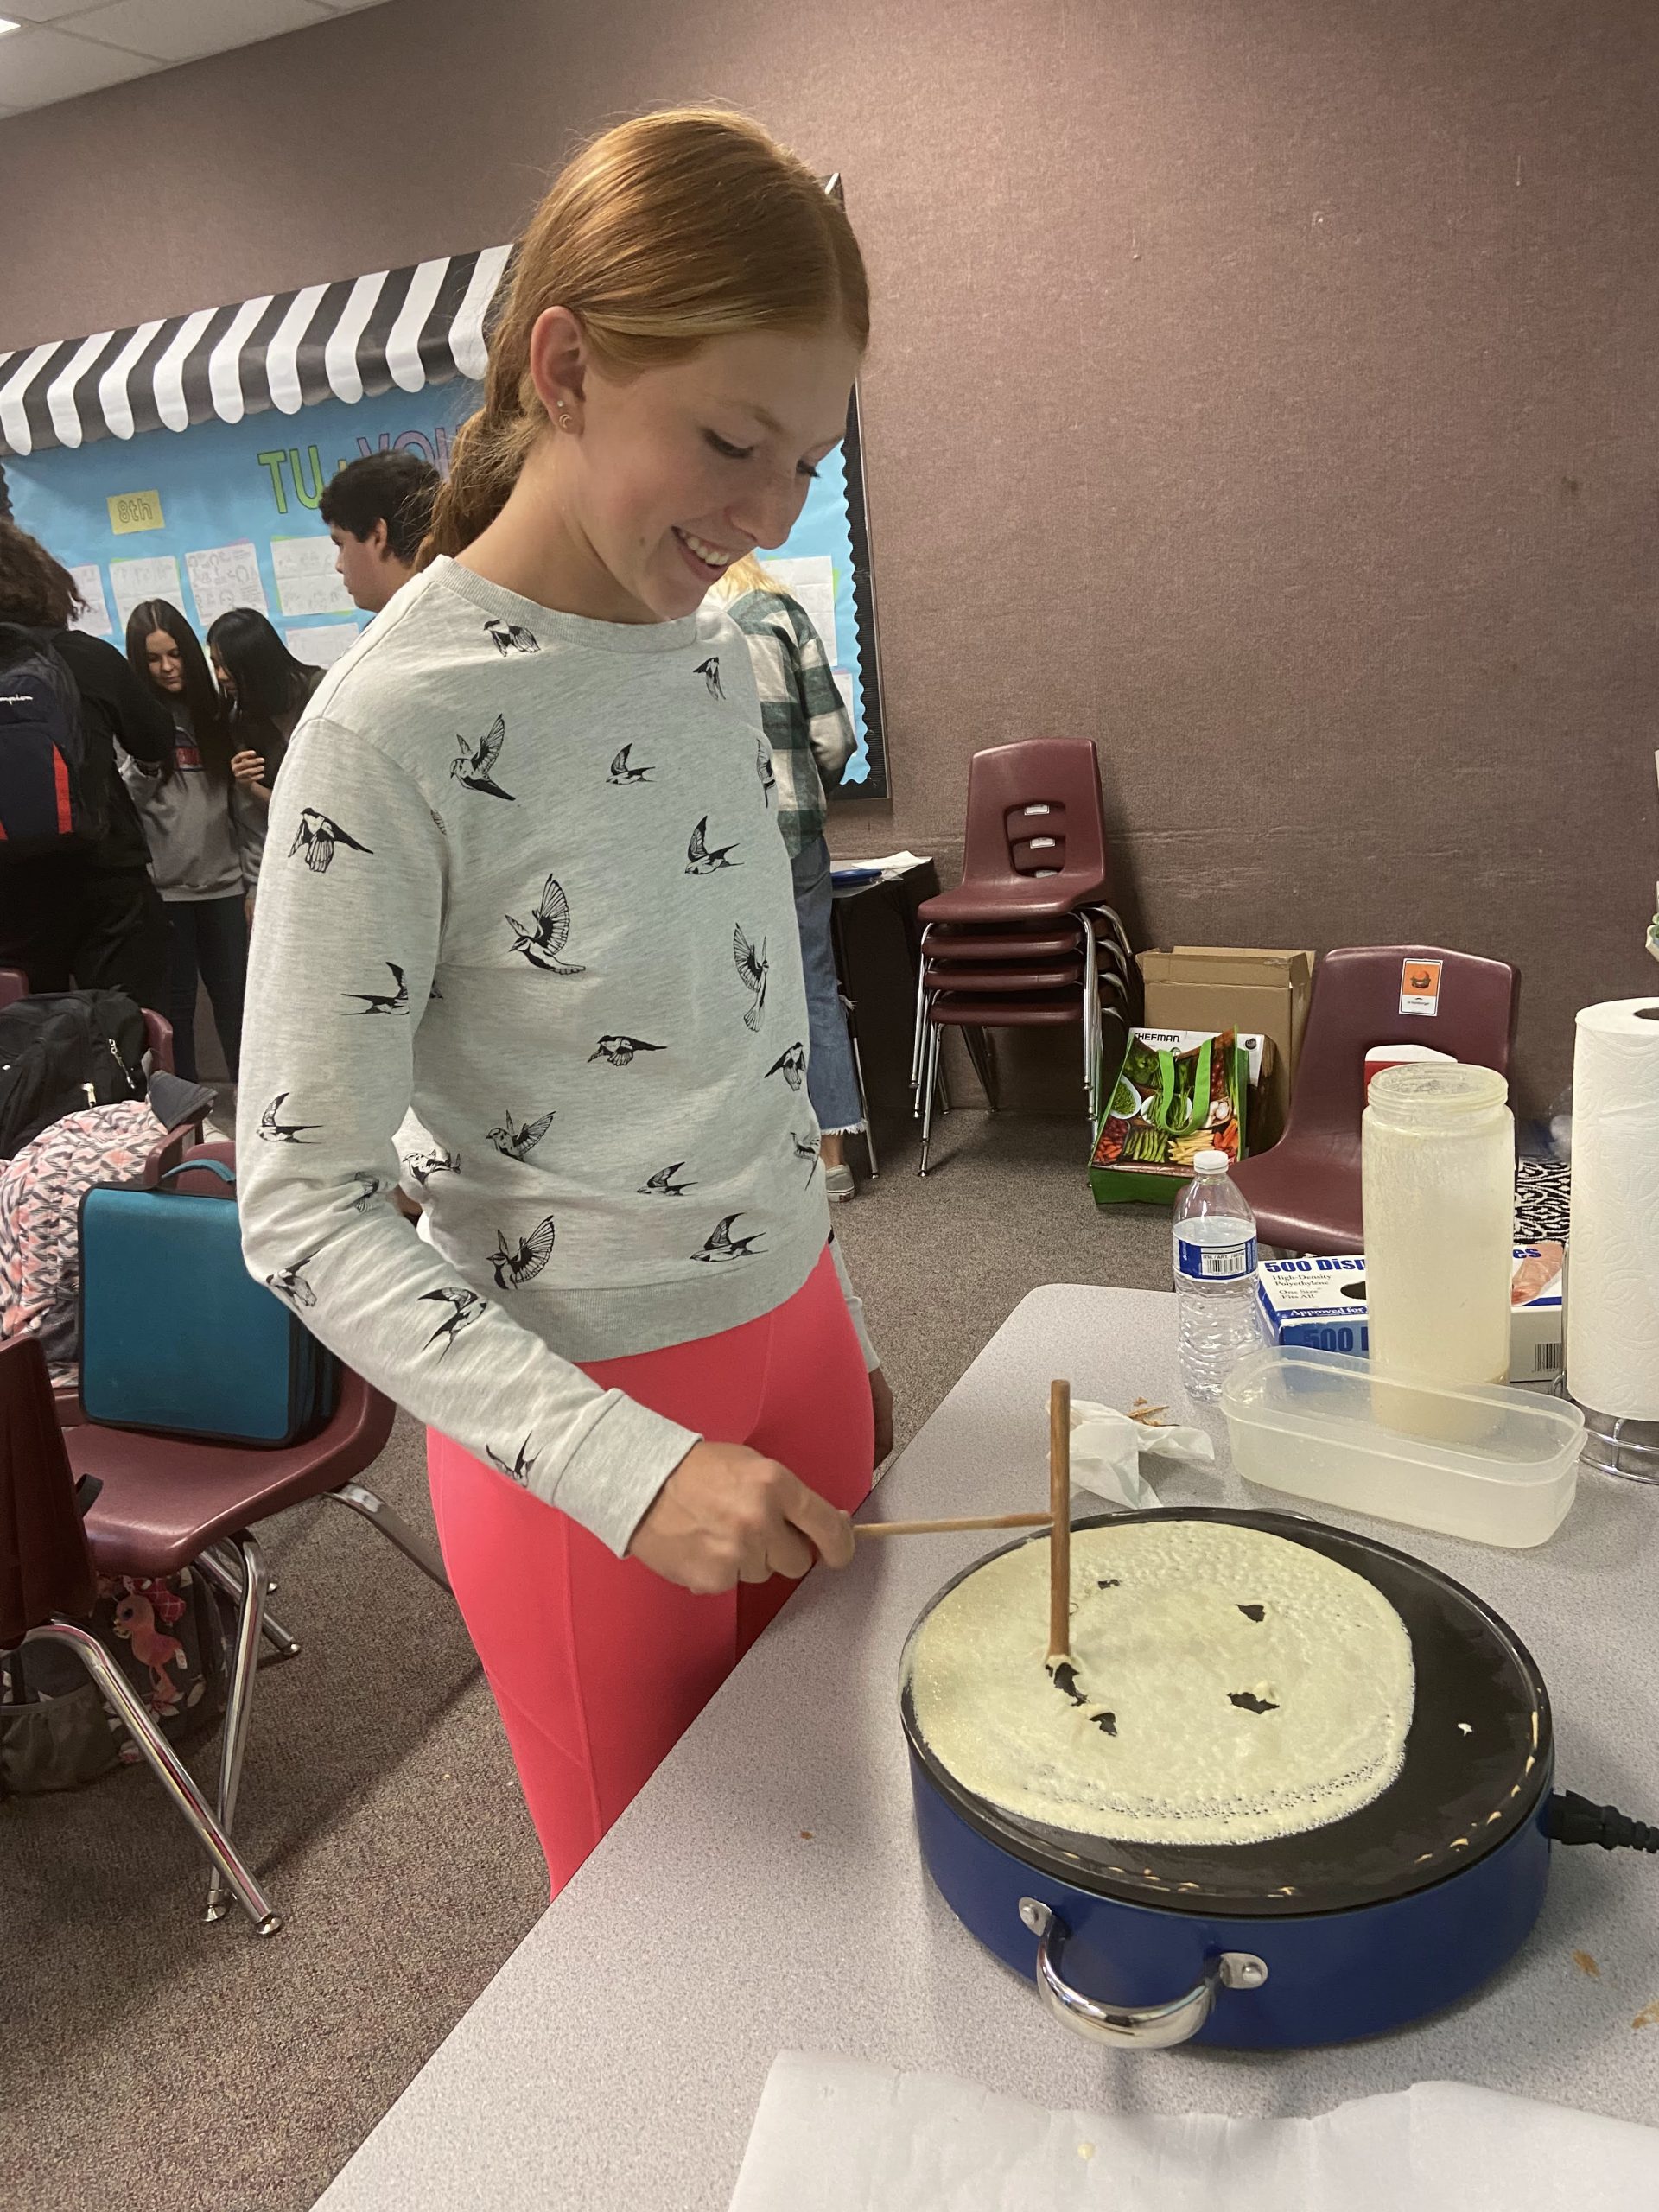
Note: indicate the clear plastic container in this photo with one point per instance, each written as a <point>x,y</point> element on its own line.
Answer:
<point>1304,1423</point>
<point>1437,1158</point>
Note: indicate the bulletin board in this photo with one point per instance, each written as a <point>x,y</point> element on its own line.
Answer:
<point>185,461</point>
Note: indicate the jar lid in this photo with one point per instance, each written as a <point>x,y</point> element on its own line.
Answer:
<point>1417,1088</point>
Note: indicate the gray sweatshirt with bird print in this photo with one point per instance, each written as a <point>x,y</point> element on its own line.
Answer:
<point>524,878</point>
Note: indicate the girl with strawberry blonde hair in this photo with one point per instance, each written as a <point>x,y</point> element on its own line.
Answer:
<point>524,881</point>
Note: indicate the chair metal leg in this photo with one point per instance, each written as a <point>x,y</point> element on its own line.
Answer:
<point>165,1763</point>
<point>230,1583</point>
<point>983,1054</point>
<point>918,1040</point>
<point>380,1514</point>
<point>863,1095</point>
<point>239,1707</point>
<point>930,1083</point>
<point>1090,1021</point>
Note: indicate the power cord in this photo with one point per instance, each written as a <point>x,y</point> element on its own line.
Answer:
<point>1572,1819</point>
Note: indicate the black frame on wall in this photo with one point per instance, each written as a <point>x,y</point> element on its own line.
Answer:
<point>864,617</point>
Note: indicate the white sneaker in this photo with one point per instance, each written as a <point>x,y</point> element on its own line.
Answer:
<point>838,1183</point>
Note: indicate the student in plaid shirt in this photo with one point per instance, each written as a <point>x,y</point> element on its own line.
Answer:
<point>811,734</point>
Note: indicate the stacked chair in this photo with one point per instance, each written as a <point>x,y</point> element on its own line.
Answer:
<point>1026,939</point>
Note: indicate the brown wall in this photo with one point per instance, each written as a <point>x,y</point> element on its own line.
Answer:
<point>1264,387</point>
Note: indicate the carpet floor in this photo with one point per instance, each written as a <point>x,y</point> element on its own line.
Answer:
<point>151,2058</point>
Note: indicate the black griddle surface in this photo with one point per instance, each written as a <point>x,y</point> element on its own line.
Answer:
<point>1477,1758</point>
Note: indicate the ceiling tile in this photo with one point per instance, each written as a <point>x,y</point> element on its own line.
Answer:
<point>44,11</point>
<point>181,31</point>
<point>40,65</point>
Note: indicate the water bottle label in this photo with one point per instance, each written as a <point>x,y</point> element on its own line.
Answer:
<point>1215,1262</point>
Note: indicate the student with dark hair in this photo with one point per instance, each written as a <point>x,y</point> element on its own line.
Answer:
<point>90,914</point>
<point>206,831</point>
<point>267,689</point>
<point>378,511</point>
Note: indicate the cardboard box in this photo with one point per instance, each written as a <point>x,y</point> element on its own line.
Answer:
<point>1249,989</point>
<point>1321,1303</point>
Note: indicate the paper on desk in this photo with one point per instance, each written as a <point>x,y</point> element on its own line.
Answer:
<point>1106,1448</point>
<point>835,2135</point>
<point>889,864</point>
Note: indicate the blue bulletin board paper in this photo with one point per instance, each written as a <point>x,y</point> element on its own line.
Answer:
<point>239,525</point>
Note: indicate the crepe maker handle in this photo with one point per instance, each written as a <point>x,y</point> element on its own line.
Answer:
<point>1139,2027</point>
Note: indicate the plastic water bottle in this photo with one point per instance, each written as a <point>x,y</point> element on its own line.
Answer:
<point>1215,1277</point>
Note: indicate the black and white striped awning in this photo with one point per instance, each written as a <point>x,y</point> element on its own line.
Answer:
<point>349,341</point>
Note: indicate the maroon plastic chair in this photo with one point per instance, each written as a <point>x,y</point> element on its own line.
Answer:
<point>167,1502</point>
<point>1035,843</point>
<point>47,1586</point>
<point>158,1031</point>
<point>172,1501</point>
<point>1305,1191</point>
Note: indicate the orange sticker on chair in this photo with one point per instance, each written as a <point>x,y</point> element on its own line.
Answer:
<point>1420,986</point>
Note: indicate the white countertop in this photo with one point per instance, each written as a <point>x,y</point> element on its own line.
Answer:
<point>764,1891</point>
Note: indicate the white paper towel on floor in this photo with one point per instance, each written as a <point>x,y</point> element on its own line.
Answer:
<point>835,2135</point>
<point>1612,1278</point>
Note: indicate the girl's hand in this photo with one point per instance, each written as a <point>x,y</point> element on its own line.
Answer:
<point>727,1515</point>
<point>247,767</point>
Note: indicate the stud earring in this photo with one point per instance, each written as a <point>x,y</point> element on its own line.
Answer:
<point>567,422</point>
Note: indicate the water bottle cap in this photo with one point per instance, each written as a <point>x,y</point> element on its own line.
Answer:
<point>1211,1161</point>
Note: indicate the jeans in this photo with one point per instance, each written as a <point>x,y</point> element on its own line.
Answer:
<point>831,1080</point>
<point>208,943</point>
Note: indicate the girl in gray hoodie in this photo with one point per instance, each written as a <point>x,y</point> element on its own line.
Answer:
<point>205,829</point>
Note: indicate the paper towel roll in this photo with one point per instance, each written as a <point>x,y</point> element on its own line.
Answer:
<point>1613,1285</point>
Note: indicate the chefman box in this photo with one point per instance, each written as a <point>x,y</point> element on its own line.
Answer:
<point>1321,1303</point>
<point>1251,989</point>
<point>1178,1093</point>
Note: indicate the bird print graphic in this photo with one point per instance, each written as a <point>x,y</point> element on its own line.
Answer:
<point>807,1152</point>
<point>518,1263</point>
<point>663,1186</point>
<point>370,1187</point>
<point>290,1283</point>
<point>751,973</point>
<point>383,1002</point>
<point>423,1165</point>
<point>511,638</point>
<point>317,837</point>
<point>619,1051</point>
<point>465,1306</point>
<point>764,770</point>
<point>709,672</point>
<point>723,1245</point>
<point>517,1141</point>
<point>275,1130</point>
<point>474,767</point>
<point>545,938</point>
<point>624,772</point>
<point>791,1065</point>
<point>521,1468</point>
<point>703,861</point>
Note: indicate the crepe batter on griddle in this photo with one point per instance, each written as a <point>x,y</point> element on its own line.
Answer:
<point>1225,1686</point>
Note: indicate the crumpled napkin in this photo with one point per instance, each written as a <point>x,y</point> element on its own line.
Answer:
<point>1107,1446</point>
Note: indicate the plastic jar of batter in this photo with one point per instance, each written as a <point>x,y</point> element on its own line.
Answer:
<point>1438,1152</point>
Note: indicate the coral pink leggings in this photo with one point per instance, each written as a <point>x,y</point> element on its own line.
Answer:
<point>597,1665</point>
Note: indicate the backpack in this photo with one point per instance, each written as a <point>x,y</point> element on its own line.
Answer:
<point>169,1636</point>
<point>40,1192</point>
<point>63,1051</point>
<point>45,800</point>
